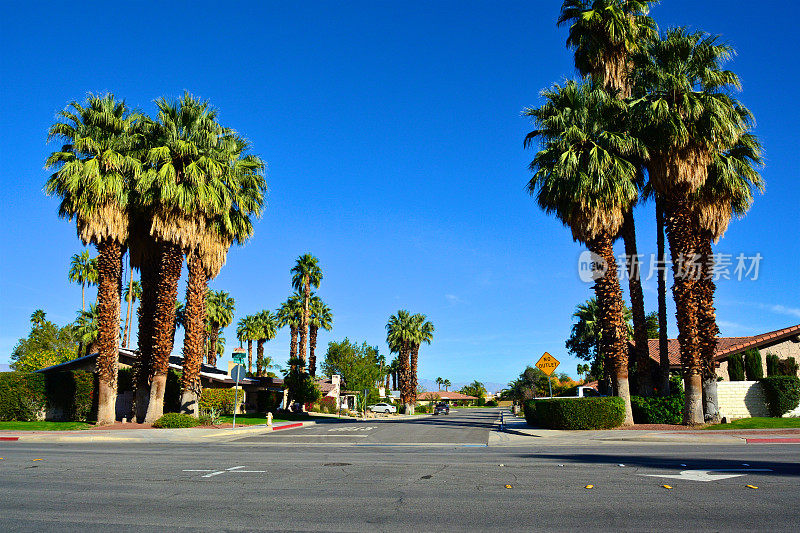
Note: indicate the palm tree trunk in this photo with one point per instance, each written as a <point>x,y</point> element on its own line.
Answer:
<point>249,355</point>
<point>643,372</point>
<point>293,342</point>
<point>259,357</point>
<point>171,265</point>
<point>211,354</point>
<point>125,337</point>
<point>414,355</point>
<point>312,346</point>
<point>304,323</point>
<point>194,326</point>
<point>663,342</point>
<point>681,235</point>
<point>708,330</point>
<point>109,270</point>
<point>394,379</point>
<point>149,270</point>
<point>83,298</point>
<point>406,394</point>
<point>613,339</point>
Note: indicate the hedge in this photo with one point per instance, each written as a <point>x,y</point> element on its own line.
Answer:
<point>736,367</point>
<point>752,365</point>
<point>576,413</point>
<point>176,420</point>
<point>658,409</point>
<point>782,394</point>
<point>773,365</point>
<point>25,396</point>
<point>22,395</point>
<point>220,400</point>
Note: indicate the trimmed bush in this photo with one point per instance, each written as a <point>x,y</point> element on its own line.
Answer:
<point>736,367</point>
<point>529,410</point>
<point>22,395</point>
<point>782,394</point>
<point>220,399</point>
<point>658,409</point>
<point>773,365</point>
<point>176,420</point>
<point>25,396</point>
<point>491,403</point>
<point>752,365</point>
<point>576,413</point>
<point>788,367</point>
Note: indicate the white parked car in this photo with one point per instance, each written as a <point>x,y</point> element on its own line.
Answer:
<point>382,408</point>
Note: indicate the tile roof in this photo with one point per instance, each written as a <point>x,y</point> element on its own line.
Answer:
<point>726,346</point>
<point>444,395</point>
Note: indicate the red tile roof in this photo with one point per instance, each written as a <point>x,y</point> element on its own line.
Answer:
<point>726,346</point>
<point>444,395</point>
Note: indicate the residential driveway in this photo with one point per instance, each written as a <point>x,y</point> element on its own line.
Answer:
<point>462,427</point>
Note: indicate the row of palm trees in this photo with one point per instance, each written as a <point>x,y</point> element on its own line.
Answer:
<point>443,383</point>
<point>405,334</point>
<point>654,117</point>
<point>178,185</point>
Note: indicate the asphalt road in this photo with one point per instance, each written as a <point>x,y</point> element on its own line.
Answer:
<point>426,482</point>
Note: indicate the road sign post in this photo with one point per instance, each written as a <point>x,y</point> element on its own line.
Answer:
<point>548,364</point>
<point>237,373</point>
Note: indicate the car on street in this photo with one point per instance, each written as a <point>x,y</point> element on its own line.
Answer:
<point>382,408</point>
<point>441,408</point>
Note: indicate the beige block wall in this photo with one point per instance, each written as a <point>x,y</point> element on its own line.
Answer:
<point>741,399</point>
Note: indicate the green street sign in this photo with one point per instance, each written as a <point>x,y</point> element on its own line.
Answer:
<point>238,358</point>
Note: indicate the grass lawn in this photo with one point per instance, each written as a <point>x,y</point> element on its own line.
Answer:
<point>759,423</point>
<point>249,420</point>
<point>42,425</point>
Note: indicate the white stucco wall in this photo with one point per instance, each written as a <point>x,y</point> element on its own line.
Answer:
<point>741,399</point>
<point>784,349</point>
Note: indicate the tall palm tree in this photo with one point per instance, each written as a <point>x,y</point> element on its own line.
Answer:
<point>83,270</point>
<point>219,315</point>
<point>394,367</point>
<point>446,383</point>
<point>320,317</point>
<point>85,328</point>
<point>663,342</point>
<point>249,329</point>
<point>423,333</point>
<point>605,34</point>
<point>93,173</point>
<point>584,174</point>
<point>439,382</point>
<point>267,328</point>
<point>290,314</point>
<point>305,275</point>
<point>685,115</point>
<point>400,335</point>
<point>131,294</point>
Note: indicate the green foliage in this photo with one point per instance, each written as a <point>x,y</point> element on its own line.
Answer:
<point>476,388</point>
<point>125,380</point>
<point>302,387</point>
<point>359,365</point>
<point>658,409</point>
<point>221,400</point>
<point>22,395</point>
<point>578,413</point>
<point>268,401</point>
<point>782,394</point>
<point>46,345</point>
<point>773,365</point>
<point>651,323</point>
<point>324,405</point>
<point>752,365</point>
<point>531,382</point>
<point>423,408</point>
<point>491,403</point>
<point>176,420</point>
<point>736,367</point>
<point>788,367</point>
<point>74,392</point>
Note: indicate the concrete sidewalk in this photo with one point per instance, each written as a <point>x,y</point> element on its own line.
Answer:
<point>150,435</point>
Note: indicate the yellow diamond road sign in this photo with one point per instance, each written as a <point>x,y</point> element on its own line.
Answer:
<point>547,364</point>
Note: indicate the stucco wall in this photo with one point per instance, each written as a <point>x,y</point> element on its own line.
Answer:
<point>787,348</point>
<point>741,399</point>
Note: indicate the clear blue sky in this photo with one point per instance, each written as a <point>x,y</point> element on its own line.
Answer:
<point>394,142</point>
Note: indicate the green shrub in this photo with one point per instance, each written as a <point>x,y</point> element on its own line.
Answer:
<point>125,380</point>
<point>658,409</point>
<point>782,394</point>
<point>773,365</point>
<point>529,410</point>
<point>22,395</point>
<point>421,408</point>
<point>176,420</point>
<point>491,403</point>
<point>578,413</point>
<point>736,367</point>
<point>74,392</point>
<point>788,367</point>
<point>268,401</point>
<point>220,399</point>
<point>752,365</point>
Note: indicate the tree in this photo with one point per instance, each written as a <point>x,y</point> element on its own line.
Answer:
<point>663,341</point>
<point>131,294</point>
<point>605,34</point>
<point>94,170</point>
<point>584,174</point>
<point>400,335</point>
<point>685,114</point>
<point>321,317</point>
<point>83,270</point>
<point>302,388</point>
<point>219,315</point>
<point>267,328</point>
<point>446,383</point>
<point>305,275</point>
<point>476,389</point>
<point>248,330</point>
<point>651,321</point>
<point>584,371</point>
<point>290,314</point>
<point>85,329</point>
<point>359,365</point>
<point>422,332</point>
<point>46,345</point>
<point>439,382</point>
<point>531,383</point>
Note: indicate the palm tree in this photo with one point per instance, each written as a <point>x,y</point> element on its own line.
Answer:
<point>267,328</point>
<point>663,342</point>
<point>93,173</point>
<point>86,328</point>
<point>248,329</point>
<point>685,115</point>
<point>305,274</point>
<point>219,315</point>
<point>400,335</point>
<point>290,314</point>
<point>131,294</point>
<point>439,382</point>
<point>583,174</point>
<point>605,34</point>
<point>83,270</point>
<point>446,383</point>
<point>423,333</point>
<point>321,317</point>
<point>394,367</point>
<point>727,192</point>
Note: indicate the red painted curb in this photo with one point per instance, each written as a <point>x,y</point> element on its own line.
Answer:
<point>773,441</point>
<point>287,426</point>
<point>9,438</point>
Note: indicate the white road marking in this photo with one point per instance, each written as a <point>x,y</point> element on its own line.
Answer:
<point>708,475</point>
<point>354,428</point>
<point>233,469</point>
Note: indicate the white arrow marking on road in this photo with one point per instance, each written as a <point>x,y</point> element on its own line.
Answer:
<point>706,475</point>
<point>237,469</point>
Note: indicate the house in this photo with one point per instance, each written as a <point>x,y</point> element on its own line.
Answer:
<point>426,398</point>
<point>331,387</point>
<point>782,342</point>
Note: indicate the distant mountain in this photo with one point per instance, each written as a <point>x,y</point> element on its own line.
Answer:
<point>430,385</point>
